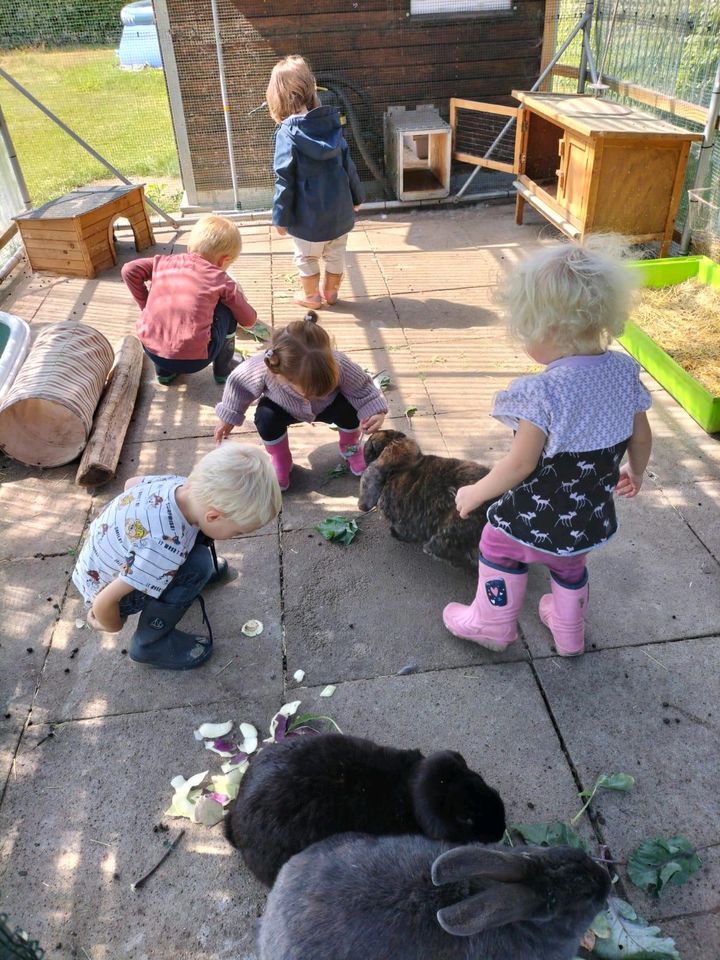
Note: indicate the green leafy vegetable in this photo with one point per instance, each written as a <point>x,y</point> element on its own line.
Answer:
<point>316,721</point>
<point>660,861</point>
<point>381,380</point>
<point>338,529</point>
<point>548,834</point>
<point>606,781</point>
<point>621,933</point>
<point>410,412</point>
<point>339,470</point>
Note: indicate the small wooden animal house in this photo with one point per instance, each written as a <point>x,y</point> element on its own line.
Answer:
<point>73,235</point>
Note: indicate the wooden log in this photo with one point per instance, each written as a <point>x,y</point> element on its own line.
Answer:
<point>112,417</point>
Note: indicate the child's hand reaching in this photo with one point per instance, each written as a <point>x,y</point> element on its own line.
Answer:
<point>222,431</point>
<point>466,500</point>
<point>629,483</point>
<point>371,424</point>
<point>281,231</point>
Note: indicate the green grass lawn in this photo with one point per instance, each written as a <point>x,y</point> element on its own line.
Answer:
<point>123,114</point>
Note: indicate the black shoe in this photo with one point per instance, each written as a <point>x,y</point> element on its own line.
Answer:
<point>221,565</point>
<point>224,362</point>
<point>157,643</point>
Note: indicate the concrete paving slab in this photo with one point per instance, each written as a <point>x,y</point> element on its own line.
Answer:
<point>492,714</point>
<point>185,408</point>
<point>695,937</point>
<point>438,319</point>
<point>41,511</point>
<point>355,612</point>
<point>87,674</point>
<point>315,493</point>
<point>32,592</point>
<point>98,789</point>
<point>474,436</point>
<point>657,719</point>
<point>464,377</point>
<point>407,383</point>
<point>699,506</point>
<point>652,582</point>
<point>682,451</point>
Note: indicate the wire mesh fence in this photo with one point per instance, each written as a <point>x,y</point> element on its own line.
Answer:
<point>142,85</point>
<point>87,66</point>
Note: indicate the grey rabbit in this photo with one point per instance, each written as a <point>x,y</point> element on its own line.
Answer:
<point>304,789</point>
<point>357,897</point>
<point>416,493</point>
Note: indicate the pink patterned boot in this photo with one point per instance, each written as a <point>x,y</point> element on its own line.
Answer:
<point>352,451</point>
<point>281,457</point>
<point>491,619</point>
<point>563,612</point>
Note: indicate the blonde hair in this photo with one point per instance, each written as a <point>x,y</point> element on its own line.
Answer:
<point>291,89</point>
<point>302,353</point>
<point>577,294</point>
<point>239,481</point>
<point>213,237</point>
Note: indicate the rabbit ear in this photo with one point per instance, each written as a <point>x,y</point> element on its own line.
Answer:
<point>500,905</point>
<point>462,863</point>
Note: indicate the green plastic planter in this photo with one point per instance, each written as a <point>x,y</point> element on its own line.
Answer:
<point>699,402</point>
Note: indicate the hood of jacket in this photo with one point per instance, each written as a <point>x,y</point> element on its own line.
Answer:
<point>317,133</point>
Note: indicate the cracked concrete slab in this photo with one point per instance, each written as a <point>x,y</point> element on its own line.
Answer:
<point>650,711</point>
<point>77,827</point>
<point>670,588</point>
<point>88,674</point>
<point>340,622</point>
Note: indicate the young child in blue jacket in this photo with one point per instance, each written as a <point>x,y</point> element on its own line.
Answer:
<point>317,189</point>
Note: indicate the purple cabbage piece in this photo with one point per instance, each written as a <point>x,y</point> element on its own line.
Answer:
<point>301,732</point>
<point>220,798</point>
<point>227,746</point>
<point>238,758</point>
<point>281,729</point>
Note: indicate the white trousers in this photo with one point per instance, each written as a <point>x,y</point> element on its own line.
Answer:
<point>309,253</point>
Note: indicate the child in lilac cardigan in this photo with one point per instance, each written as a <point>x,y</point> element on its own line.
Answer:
<point>301,378</point>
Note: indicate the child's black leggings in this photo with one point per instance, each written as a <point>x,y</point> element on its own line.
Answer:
<point>272,420</point>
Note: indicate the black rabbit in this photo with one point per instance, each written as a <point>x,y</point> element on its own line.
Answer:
<point>356,897</point>
<point>302,790</point>
<point>417,495</point>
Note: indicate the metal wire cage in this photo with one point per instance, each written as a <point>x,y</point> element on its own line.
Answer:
<point>704,218</point>
<point>17,944</point>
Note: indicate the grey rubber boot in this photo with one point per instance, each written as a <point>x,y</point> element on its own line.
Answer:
<point>157,643</point>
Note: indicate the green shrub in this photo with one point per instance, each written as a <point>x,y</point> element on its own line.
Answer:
<point>34,23</point>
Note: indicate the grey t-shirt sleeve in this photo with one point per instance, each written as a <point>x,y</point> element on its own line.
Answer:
<point>524,399</point>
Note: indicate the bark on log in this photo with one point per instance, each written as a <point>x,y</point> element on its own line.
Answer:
<point>112,417</point>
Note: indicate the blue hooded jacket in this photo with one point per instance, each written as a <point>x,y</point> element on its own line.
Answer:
<point>316,183</point>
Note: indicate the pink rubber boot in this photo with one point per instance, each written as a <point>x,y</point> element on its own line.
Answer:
<point>491,619</point>
<point>352,451</point>
<point>281,457</point>
<point>563,612</point>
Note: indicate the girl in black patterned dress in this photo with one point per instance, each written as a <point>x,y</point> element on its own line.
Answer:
<point>573,424</point>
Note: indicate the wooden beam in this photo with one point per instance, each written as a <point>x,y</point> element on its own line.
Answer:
<point>549,40</point>
<point>651,98</point>
<point>7,236</point>
<point>112,417</point>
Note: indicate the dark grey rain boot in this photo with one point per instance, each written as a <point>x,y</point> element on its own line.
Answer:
<point>224,362</point>
<point>157,643</point>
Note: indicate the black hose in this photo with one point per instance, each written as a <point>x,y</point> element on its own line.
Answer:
<point>336,88</point>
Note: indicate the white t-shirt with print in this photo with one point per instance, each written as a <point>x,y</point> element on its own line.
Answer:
<point>141,537</point>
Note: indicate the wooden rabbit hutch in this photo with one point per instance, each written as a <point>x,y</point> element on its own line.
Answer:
<point>73,235</point>
<point>587,165</point>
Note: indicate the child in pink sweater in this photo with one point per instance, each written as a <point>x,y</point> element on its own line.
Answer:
<point>192,309</point>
